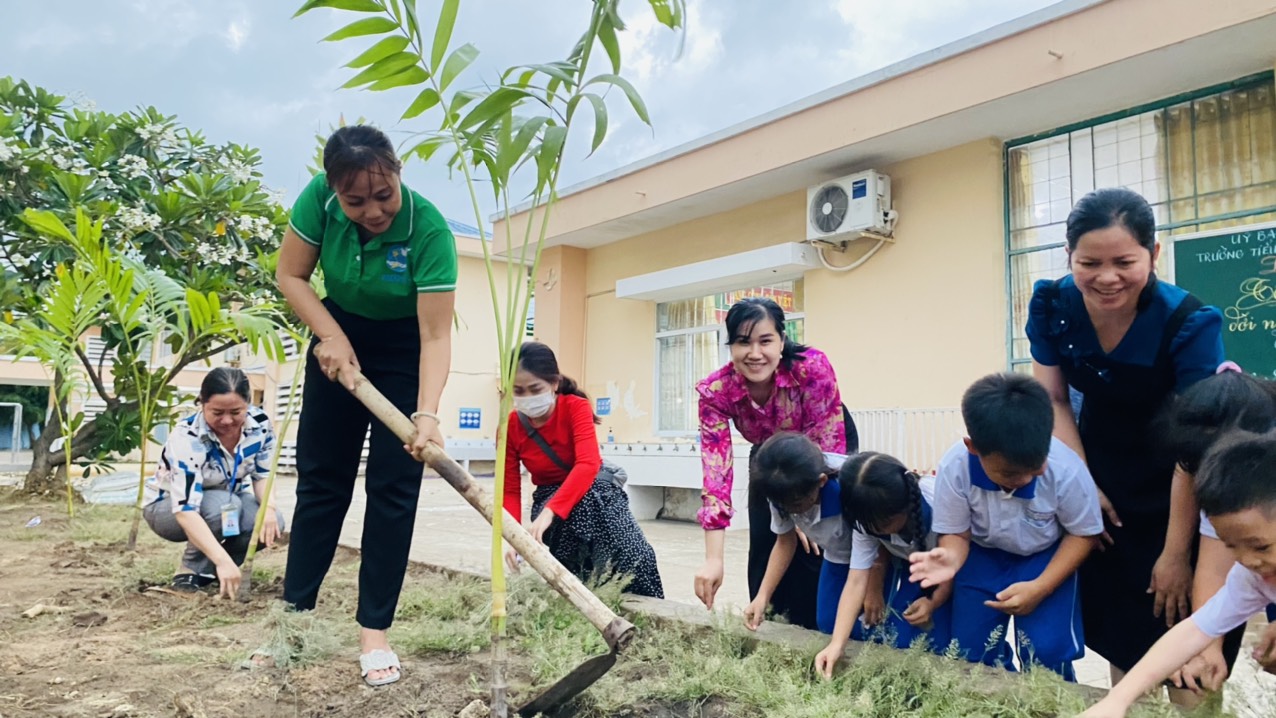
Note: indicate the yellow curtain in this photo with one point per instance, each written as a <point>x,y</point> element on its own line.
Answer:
<point>1221,156</point>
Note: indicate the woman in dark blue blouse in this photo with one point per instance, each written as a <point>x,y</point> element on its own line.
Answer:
<point>1127,342</point>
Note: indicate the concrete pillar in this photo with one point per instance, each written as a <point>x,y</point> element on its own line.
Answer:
<point>560,307</point>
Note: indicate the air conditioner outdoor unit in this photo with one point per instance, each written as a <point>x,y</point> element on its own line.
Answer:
<point>856,203</point>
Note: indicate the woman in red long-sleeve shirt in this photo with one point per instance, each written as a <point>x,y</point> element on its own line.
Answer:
<point>579,510</point>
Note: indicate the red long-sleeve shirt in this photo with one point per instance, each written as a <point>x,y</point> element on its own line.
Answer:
<point>570,433</point>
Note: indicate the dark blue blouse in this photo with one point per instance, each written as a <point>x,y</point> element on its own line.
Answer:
<point>1064,329</point>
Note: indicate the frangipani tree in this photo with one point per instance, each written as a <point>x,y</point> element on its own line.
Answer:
<point>164,198</point>
<point>143,307</point>
<point>508,134</point>
<point>52,334</point>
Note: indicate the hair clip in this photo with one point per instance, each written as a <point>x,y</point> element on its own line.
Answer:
<point>1229,366</point>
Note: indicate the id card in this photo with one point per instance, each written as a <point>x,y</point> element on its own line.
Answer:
<point>230,520</point>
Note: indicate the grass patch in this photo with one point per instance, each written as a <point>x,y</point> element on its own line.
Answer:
<point>137,572</point>
<point>216,621</point>
<point>298,639</point>
<point>725,669</point>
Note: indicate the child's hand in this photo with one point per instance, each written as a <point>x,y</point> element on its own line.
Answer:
<point>826,660</point>
<point>1019,599</point>
<point>874,609</point>
<point>919,612</point>
<point>931,567</point>
<point>1205,672</point>
<point>807,544</point>
<point>1265,651</point>
<point>755,613</point>
<point>1105,708</point>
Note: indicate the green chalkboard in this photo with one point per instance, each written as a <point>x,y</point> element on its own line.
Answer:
<point>1234,269</point>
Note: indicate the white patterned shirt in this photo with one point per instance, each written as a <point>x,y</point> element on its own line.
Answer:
<point>194,460</point>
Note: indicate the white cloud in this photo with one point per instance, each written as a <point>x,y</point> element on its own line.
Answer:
<point>237,33</point>
<point>648,49</point>
<point>884,33</point>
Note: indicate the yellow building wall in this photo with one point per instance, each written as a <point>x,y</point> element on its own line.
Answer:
<point>910,328</point>
<point>475,377</point>
<point>926,316</point>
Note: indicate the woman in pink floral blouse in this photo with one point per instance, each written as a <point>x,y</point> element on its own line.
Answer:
<point>772,384</point>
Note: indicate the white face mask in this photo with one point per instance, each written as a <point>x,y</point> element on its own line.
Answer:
<point>536,405</point>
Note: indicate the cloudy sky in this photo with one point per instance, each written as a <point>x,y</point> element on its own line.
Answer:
<point>243,71</point>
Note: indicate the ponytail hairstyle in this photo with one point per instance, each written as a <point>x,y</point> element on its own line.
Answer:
<point>876,490</point>
<point>1211,408</point>
<point>745,314</point>
<point>787,469</point>
<point>225,380</point>
<point>538,360</point>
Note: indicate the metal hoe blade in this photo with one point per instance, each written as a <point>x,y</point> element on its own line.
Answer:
<point>618,635</point>
<point>568,687</point>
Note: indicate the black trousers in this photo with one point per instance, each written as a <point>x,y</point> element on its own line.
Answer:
<point>794,598</point>
<point>329,443</point>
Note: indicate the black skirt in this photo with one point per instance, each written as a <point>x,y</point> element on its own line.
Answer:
<point>600,539</point>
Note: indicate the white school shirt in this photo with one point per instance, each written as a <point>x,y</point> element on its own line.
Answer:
<point>864,546</point>
<point>823,522</point>
<point>1207,528</point>
<point>1244,594</point>
<point>1026,521</point>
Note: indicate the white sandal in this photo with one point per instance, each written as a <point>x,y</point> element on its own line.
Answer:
<point>380,660</point>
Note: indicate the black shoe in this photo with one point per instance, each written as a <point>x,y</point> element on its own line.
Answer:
<point>191,582</point>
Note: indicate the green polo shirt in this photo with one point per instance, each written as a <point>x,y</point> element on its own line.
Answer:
<point>382,278</point>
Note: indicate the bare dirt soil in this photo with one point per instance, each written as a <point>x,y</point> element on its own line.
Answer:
<point>104,643</point>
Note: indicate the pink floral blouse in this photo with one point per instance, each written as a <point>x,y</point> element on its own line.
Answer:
<point>805,400</point>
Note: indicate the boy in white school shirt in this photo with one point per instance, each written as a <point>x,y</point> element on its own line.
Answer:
<point>1018,512</point>
<point>1236,488</point>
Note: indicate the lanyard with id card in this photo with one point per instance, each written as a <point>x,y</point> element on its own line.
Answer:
<point>230,511</point>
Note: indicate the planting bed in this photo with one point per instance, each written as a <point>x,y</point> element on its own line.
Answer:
<point>107,645</point>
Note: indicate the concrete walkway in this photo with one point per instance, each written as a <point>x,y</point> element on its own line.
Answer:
<point>450,533</point>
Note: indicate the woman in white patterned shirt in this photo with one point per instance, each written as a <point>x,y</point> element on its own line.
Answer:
<point>209,484</point>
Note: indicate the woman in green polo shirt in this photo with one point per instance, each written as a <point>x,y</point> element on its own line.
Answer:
<point>389,268</point>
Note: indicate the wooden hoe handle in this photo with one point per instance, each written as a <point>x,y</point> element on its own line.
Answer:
<point>617,631</point>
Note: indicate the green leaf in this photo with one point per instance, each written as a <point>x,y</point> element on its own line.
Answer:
<point>443,32</point>
<point>549,154</point>
<point>410,76</point>
<point>382,69</point>
<point>47,224</point>
<point>427,147</point>
<point>511,154</point>
<point>366,26</point>
<point>607,36</point>
<point>600,119</point>
<point>460,59</point>
<point>498,102</point>
<point>351,5</point>
<point>640,107</point>
<point>199,309</point>
<point>383,49</point>
<point>424,101</point>
<point>668,12</point>
<point>561,71</point>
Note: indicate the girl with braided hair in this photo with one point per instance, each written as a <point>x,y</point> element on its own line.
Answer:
<point>888,506</point>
